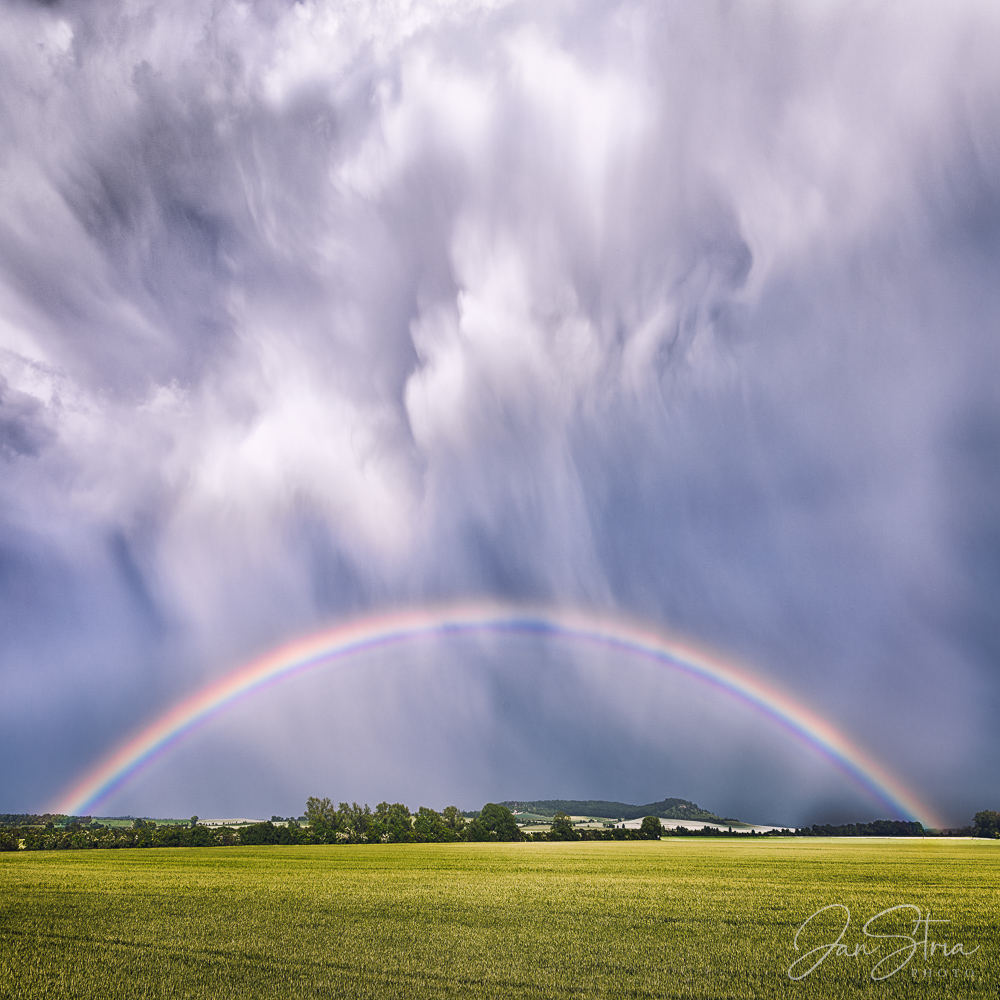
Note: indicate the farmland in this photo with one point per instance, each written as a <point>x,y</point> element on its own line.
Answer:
<point>671,918</point>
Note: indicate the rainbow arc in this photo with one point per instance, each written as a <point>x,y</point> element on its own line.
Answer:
<point>338,644</point>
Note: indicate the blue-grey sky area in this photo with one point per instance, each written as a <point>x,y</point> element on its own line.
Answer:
<point>685,312</point>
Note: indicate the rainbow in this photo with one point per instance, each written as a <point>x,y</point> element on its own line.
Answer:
<point>336,644</point>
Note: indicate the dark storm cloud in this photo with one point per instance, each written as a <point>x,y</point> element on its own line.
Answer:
<point>687,311</point>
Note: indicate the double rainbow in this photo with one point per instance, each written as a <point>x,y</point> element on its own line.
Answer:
<point>333,645</point>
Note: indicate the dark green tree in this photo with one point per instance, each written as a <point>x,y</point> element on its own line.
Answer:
<point>562,827</point>
<point>201,836</point>
<point>260,834</point>
<point>495,822</point>
<point>651,828</point>
<point>391,824</point>
<point>323,819</point>
<point>429,827</point>
<point>355,821</point>
<point>453,819</point>
<point>194,822</point>
<point>986,824</point>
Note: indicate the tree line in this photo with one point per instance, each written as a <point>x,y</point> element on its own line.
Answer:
<point>347,823</point>
<point>878,828</point>
<point>76,835</point>
<point>393,823</point>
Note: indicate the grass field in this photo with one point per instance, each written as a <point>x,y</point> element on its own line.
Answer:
<point>674,918</point>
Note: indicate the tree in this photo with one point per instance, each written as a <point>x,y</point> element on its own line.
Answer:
<point>391,824</point>
<point>355,821</point>
<point>259,834</point>
<point>986,824</point>
<point>651,828</point>
<point>201,836</point>
<point>194,822</point>
<point>494,823</point>
<point>225,836</point>
<point>323,819</point>
<point>429,827</point>
<point>453,819</point>
<point>562,827</point>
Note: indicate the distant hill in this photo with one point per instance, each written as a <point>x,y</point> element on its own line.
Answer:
<point>667,809</point>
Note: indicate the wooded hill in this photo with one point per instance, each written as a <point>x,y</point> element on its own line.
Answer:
<point>666,809</point>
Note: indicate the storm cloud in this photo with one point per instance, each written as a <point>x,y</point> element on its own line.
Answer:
<point>688,312</point>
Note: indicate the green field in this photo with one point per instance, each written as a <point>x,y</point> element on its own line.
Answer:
<point>671,918</point>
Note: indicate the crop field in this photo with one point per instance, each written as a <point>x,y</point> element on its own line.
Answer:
<point>671,918</point>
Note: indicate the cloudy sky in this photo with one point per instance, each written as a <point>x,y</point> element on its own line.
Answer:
<point>685,312</point>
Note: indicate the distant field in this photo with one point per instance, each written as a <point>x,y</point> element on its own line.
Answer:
<point>671,918</point>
